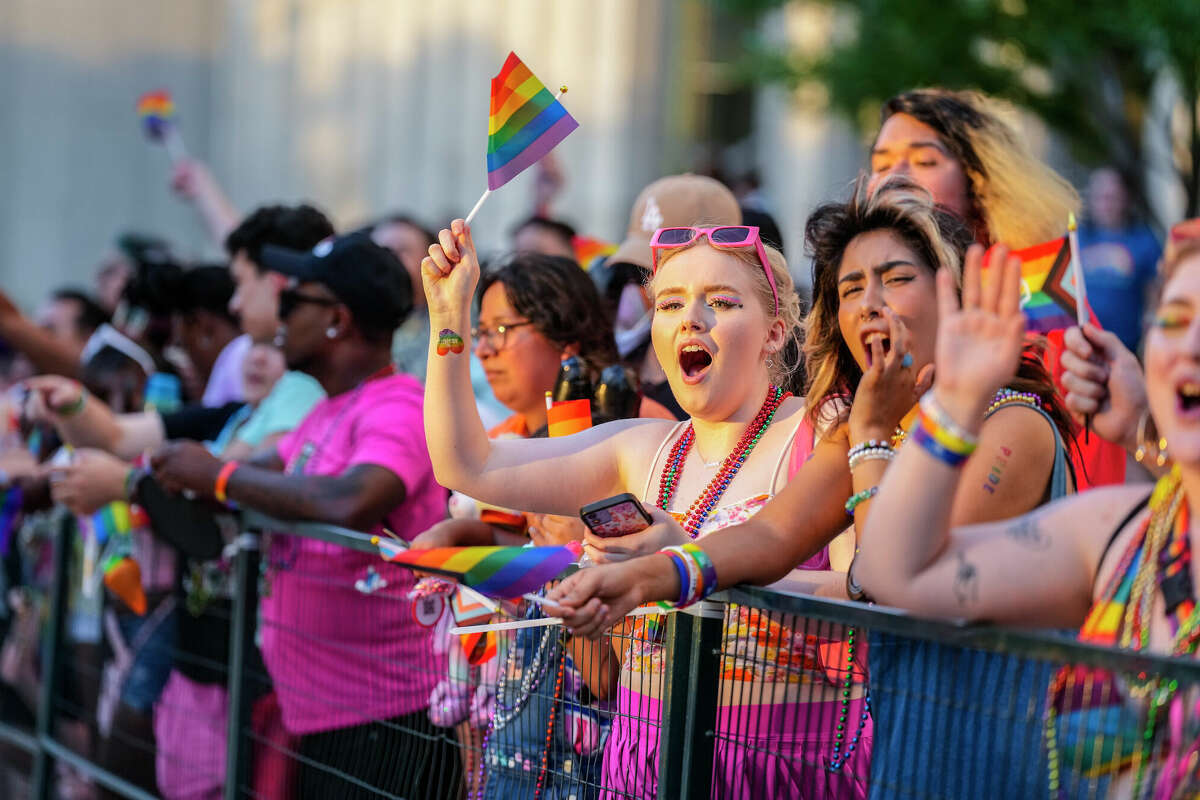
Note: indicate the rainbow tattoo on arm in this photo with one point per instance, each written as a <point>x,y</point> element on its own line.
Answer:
<point>449,342</point>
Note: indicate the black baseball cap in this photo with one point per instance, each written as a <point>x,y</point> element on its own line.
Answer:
<point>366,278</point>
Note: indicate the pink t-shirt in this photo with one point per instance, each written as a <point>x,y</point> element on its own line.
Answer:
<point>338,656</point>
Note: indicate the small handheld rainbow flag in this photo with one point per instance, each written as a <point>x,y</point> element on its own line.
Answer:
<point>568,417</point>
<point>1047,292</point>
<point>525,122</point>
<point>502,572</point>
<point>589,249</point>
<point>156,110</point>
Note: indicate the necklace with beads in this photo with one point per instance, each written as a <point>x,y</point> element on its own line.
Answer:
<point>1157,561</point>
<point>698,512</point>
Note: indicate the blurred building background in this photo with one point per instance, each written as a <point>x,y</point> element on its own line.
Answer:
<point>369,106</point>
<point>365,106</point>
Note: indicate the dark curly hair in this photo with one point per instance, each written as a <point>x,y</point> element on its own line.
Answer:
<point>294,227</point>
<point>560,300</point>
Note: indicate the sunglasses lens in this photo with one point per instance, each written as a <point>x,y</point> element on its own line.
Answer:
<point>733,234</point>
<point>287,304</point>
<point>673,237</point>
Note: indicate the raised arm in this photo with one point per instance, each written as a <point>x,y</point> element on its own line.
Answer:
<point>84,421</point>
<point>194,182</point>
<point>1034,569</point>
<point>554,476</point>
<point>46,352</point>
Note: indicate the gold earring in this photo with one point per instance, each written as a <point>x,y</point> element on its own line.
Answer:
<point>1143,444</point>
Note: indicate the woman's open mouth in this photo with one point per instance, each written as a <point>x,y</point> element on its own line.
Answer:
<point>868,338</point>
<point>1187,400</point>
<point>694,362</point>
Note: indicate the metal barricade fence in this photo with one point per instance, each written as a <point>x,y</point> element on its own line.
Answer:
<point>757,693</point>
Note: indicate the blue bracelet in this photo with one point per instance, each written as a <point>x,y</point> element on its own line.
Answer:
<point>684,579</point>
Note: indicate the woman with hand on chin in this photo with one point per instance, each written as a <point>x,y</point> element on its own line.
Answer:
<point>724,308</point>
<point>870,335</point>
<point>1074,562</point>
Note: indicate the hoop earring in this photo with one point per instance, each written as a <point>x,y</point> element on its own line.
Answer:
<point>1143,444</point>
<point>769,364</point>
<point>331,333</point>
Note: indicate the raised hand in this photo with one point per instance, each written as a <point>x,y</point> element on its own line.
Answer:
<point>888,389</point>
<point>1104,381</point>
<point>978,343</point>
<point>451,271</point>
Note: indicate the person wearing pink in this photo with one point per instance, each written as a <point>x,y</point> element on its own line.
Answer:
<point>353,670</point>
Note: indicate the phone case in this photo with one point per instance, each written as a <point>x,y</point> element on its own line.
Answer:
<point>621,516</point>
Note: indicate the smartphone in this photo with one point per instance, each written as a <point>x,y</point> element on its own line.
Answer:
<point>619,515</point>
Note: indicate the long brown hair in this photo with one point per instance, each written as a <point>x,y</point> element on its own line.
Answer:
<point>941,240</point>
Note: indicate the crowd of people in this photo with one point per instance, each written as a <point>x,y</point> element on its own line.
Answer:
<point>898,437</point>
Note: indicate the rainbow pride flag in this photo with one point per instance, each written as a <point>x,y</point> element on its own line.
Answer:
<point>502,572</point>
<point>524,122</point>
<point>1047,286</point>
<point>589,249</point>
<point>155,110</point>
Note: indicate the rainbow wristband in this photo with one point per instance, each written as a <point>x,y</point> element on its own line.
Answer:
<point>681,568</point>
<point>935,448</point>
<point>942,427</point>
<point>695,578</point>
<point>708,572</point>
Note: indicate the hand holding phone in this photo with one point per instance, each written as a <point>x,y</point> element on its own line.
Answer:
<point>619,515</point>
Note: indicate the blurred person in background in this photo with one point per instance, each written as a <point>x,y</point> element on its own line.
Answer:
<point>538,234</point>
<point>55,339</point>
<point>1120,257</point>
<point>353,675</point>
<point>208,332</point>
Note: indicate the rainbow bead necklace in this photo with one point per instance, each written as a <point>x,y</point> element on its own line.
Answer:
<point>703,505</point>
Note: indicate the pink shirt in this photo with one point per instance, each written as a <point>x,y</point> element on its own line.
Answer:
<point>340,657</point>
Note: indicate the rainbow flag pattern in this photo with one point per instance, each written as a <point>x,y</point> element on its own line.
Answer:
<point>569,416</point>
<point>589,249</point>
<point>502,572</point>
<point>155,110</point>
<point>1047,291</point>
<point>524,122</point>
<point>117,519</point>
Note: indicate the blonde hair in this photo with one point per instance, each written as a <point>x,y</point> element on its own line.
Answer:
<point>1016,198</point>
<point>897,205</point>
<point>782,365</point>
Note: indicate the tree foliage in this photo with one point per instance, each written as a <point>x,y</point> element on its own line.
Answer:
<point>1086,67</point>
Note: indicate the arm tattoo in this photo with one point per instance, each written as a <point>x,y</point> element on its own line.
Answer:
<point>998,466</point>
<point>1027,532</point>
<point>449,342</point>
<point>966,580</point>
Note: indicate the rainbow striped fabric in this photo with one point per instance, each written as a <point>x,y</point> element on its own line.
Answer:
<point>117,519</point>
<point>502,572</point>
<point>1047,294</point>
<point>589,249</point>
<point>524,122</point>
<point>155,110</point>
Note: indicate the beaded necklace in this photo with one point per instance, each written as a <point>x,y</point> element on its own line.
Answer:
<point>698,512</point>
<point>1157,560</point>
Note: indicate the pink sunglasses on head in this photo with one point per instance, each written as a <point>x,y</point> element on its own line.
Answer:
<point>720,236</point>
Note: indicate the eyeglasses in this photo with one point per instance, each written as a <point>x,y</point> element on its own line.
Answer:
<point>727,236</point>
<point>497,339</point>
<point>290,299</point>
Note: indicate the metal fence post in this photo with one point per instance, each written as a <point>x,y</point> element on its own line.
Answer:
<point>52,657</point>
<point>690,700</point>
<point>244,622</point>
